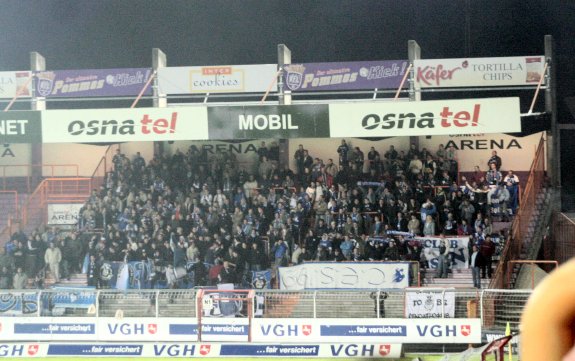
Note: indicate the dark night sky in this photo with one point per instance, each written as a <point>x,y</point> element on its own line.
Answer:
<point>76,34</point>
<point>82,34</point>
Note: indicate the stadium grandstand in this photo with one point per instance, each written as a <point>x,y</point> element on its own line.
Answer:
<point>283,217</point>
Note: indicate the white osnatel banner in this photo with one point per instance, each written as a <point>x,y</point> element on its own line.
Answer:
<point>64,214</point>
<point>124,125</point>
<point>217,79</point>
<point>429,304</point>
<point>437,117</point>
<point>507,71</point>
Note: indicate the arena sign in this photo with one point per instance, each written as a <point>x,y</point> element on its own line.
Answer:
<point>268,121</point>
<point>20,127</point>
<point>92,82</point>
<point>217,79</point>
<point>492,115</point>
<point>344,76</point>
<point>15,82</point>
<point>508,71</point>
<point>123,125</point>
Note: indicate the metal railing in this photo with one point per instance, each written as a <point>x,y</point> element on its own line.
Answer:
<point>494,307</point>
<point>512,263</point>
<point>26,177</point>
<point>560,244</point>
<point>519,227</point>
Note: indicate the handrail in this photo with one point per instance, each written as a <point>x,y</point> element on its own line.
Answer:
<point>531,262</point>
<point>512,248</point>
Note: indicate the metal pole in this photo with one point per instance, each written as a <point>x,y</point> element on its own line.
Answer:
<point>152,76</point>
<point>18,92</point>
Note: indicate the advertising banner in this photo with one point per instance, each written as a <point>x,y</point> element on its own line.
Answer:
<point>217,79</point>
<point>288,330</point>
<point>124,125</point>
<point>349,275</point>
<point>20,126</point>
<point>344,76</point>
<point>388,330</point>
<point>429,304</point>
<point>437,117</point>
<point>92,82</point>
<point>467,72</point>
<point>64,214</point>
<point>268,121</point>
<point>458,250</point>
<point>15,82</point>
<point>189,349</point>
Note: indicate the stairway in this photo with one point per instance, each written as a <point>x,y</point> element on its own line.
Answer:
<point>457,278</point>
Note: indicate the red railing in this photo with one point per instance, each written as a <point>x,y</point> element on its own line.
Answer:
<point>50,191</point>
<point>13,176</point>
<point>105,165</point>
<point>560,244</point>
<point>519,227</point>
<point>511,263</point>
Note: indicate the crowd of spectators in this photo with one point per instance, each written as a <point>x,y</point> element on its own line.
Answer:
<point>222,219</point>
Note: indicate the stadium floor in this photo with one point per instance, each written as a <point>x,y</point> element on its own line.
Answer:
<point>408,357</point>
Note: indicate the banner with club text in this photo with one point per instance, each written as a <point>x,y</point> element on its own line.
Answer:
<point>468,72</point>
<point>344,76</point>
<point>218,79</point>
<point>458,250</point>
<point>392,119</point>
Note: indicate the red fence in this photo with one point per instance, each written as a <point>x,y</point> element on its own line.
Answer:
<point>519,227</point>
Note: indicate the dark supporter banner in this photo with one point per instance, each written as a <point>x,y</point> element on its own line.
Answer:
<point>344,76</point>
<point>268,121</point>
<point>20,127</point>
<point>92,82</point>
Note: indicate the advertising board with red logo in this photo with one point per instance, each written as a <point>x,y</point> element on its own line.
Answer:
<point>468,72</point>
<point>387,330</point>
<point>218,79</point>
<point>123,125</point>
<point>437,117</point>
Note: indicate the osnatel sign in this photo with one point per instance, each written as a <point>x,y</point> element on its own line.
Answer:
<point>492,115</point>
<point>124,125</point>
<point>20,127</point>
